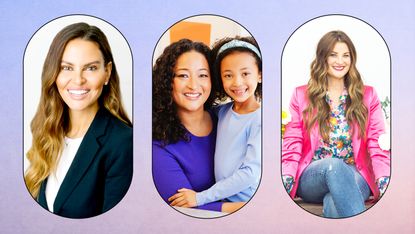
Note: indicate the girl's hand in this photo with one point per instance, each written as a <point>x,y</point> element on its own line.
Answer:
<point>184,198</point>
<point>229,207</point>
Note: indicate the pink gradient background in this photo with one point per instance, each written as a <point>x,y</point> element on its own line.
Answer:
<point>271,210</point>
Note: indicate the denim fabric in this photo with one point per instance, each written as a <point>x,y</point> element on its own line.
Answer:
<point>337,185</point>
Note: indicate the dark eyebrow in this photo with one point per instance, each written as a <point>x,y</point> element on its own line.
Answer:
<point>66,62</point>
<point>91,63</point>
<point>186,69</point>
<point>182,69</point>
<point>244,68</point>
<point>334,52</point>
<point>88,64</point>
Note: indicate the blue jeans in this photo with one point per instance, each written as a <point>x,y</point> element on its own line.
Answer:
<point>339,186</point>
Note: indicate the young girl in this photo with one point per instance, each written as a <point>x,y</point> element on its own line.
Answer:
<point>330,151</point>
<point>238,72</point>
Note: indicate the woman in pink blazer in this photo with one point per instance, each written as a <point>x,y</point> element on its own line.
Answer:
<point>330,151</point>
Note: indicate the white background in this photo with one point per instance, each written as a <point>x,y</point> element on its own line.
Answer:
<point>373,60</point>
<point>37,50</point>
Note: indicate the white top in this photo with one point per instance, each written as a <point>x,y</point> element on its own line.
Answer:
<point>55,179</point>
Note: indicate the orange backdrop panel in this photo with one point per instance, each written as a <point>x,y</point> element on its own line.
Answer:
<point>190,30</point>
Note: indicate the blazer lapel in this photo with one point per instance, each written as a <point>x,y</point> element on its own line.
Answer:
<point>83,158</point>
<point>314,136</point>
<point>42,196</point>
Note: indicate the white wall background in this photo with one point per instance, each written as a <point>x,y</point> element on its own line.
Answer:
<point>35,55</point>
<point>373,60</point>
<point>220,27</point>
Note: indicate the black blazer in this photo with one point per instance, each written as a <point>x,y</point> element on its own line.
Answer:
<point>100,173</point>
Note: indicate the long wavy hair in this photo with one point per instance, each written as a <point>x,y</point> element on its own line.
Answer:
<point>217,80</point>
<point>167,126</point>
<point>51,121</point>
<point>318,110</point>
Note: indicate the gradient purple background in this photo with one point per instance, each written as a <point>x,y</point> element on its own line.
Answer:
<point>271,210</point>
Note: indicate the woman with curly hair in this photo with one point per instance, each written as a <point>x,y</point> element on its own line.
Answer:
<point>330,151</point>
<point>81,155</point>
<point>184,128</point>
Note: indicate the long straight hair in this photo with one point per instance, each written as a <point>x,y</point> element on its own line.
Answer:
<point>51,121</point>
<point>318,110</point>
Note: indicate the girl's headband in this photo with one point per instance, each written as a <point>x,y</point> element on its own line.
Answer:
<point>241,44</point>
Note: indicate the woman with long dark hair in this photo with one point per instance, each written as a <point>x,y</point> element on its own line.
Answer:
<point>81,155</point>
<point>330,151</point>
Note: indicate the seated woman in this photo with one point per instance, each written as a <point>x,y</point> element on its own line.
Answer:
<point>330,151</point>
<point>81,158</point>
<point>184,131</point>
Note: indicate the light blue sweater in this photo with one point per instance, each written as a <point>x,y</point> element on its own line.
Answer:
<point>237,157</point>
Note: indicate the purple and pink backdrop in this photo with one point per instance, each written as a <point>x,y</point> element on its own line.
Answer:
<point>271,210</point>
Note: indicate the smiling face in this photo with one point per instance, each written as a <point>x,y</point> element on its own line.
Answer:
<point>82,75</point>
<point>240,76</point>
<point>191,82</point>
<point>338,61</point>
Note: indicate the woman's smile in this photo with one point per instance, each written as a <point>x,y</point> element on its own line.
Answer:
<point>191,82</point>
<point>339,61</point>
<point>78,94</point>
<point>192,95</point>
<point>338,68</point>
<point>83,75</point>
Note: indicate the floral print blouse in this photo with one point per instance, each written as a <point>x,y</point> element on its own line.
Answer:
<point>339,144</point>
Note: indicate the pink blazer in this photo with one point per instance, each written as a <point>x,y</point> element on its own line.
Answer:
<point>298,147</point>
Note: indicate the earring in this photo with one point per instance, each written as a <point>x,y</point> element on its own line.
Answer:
<point>106,83</point>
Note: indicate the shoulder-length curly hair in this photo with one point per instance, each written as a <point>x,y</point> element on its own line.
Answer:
<point>167,126</point>
<point>318,110</point>
<point>51,121</point>
<point>217,80</point>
